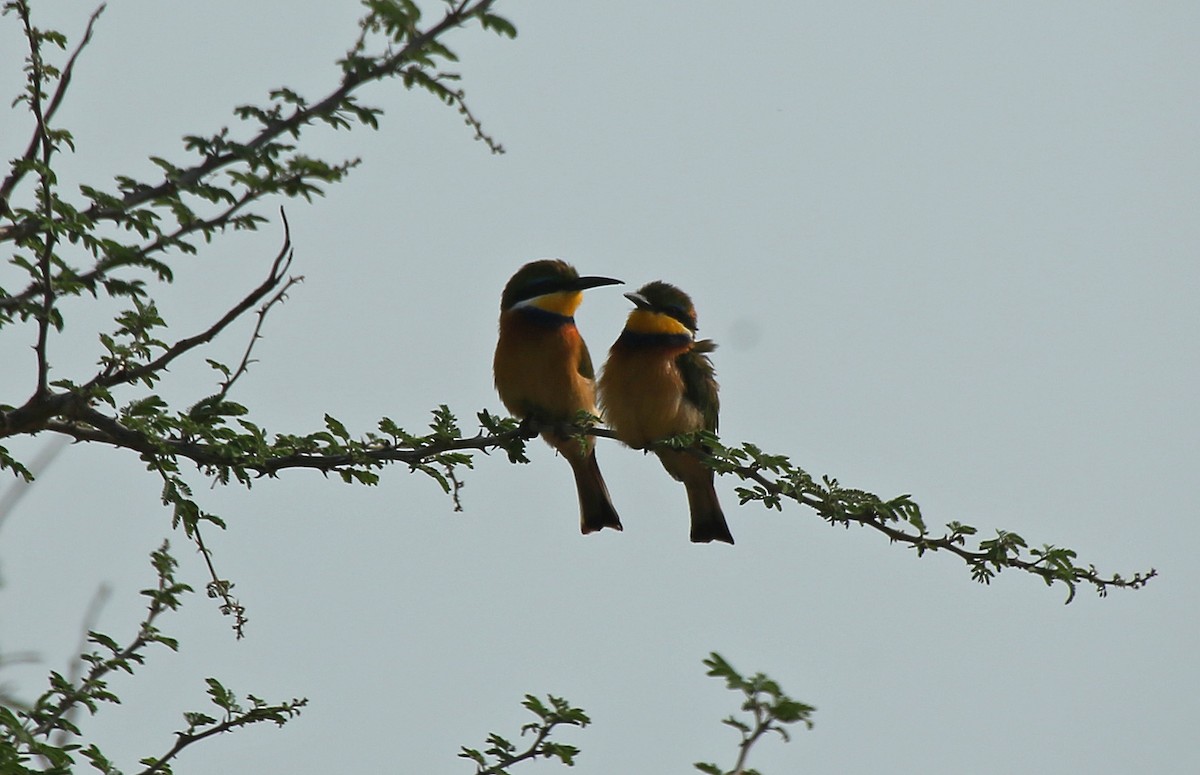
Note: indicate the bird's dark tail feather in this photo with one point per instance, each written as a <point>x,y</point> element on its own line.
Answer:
<point>708,521</point>
<point>596,510</point>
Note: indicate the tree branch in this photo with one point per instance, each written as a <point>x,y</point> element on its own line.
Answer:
<point>185,178</point>
<point>279,267</point>
<point>40,143</point>
<point>50,714</point>
<point>244,365</point>
<point>20,169</point>
<point>88,424</point>
<point>333,451</point>
<point>837,505</point>
<point>255,715</point>
<point>501,753</point>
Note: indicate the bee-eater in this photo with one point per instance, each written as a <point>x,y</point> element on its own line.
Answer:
<point>543,371</point>
<point>658,382</point>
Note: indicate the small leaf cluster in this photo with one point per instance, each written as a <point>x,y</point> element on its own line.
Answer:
<point>501,754</point>
<point>233,715</point>
<point>770,709</point>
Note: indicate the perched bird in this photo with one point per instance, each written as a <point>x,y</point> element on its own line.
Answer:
<point>543,371</point>
<point>658,382</point>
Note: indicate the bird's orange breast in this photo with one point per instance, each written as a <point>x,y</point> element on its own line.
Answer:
<point>537,369</point>
<point>642,396</point>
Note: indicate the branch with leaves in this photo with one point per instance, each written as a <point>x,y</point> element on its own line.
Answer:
<point>770,709</point>
<point>42,730</point>
<point>501,754</point>
<point>201,726</point>
<point>244,453</point>
<point>167,214</point>
<point>115,241</point>
<point>770,712</point>
<point>774,478</point>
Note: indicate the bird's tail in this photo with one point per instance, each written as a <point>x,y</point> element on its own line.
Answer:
<point>596,510</point>
<point>708,521</point>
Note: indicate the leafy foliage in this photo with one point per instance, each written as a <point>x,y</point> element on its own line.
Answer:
<point>501,754</point>
<point>28,734</point>
<point>769,708</point>
<point>118,241</point>
<point>774,478</point>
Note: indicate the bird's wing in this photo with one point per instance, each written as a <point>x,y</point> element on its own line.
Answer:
<point>699,381</point>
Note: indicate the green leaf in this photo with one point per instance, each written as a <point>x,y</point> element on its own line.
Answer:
<point>498,24</point>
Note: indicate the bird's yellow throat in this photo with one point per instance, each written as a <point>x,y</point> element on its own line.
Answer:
<point>642,321</point>
<point>560,302</point>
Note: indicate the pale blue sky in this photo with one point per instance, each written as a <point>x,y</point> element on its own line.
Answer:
<point>948,249</point>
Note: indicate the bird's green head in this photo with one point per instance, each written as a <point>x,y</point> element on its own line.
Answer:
<point>551,285</point>
<point>661,309</point>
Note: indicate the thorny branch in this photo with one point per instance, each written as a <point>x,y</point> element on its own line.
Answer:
<point>279,297</point>
<point>283,260</point>
<point>1051,564</point>
<point>832,503</point>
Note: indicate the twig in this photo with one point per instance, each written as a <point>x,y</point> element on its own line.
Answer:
<point>949,543</point>
<point>19,170</point>
<point>41,142</point>
<point>219,587</point>
<point>279,266</point>
<point>276,713</point>
<point>278,298</point>
<point>160,599</point>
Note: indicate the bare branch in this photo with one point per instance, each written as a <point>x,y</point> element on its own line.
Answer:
<point>244,365</point>
<point>279,267</point>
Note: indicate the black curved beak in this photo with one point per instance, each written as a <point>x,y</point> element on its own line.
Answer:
<point>638,300</point>
<point>583,283</point>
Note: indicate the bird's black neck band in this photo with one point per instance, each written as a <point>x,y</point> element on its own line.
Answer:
<point>544,318</point>
<point>635,339</point>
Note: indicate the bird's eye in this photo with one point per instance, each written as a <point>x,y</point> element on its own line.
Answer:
<point>539,286</point>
